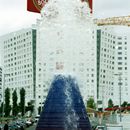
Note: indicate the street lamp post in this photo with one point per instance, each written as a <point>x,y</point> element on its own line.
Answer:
<point>119,78</point>
<point>4,93</point>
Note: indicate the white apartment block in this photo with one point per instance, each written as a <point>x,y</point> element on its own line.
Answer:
<point>111,61</point>
<point>66,45</point>
<point>106,41</point>
<point>121,67</point>
<point>18,60</point>
<point>1,85</point>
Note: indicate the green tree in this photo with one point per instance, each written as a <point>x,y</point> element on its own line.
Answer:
<point>15,105</point>
<point>7,107</point>
<point>128,104</point>
<point>22,101</point>
<point>110,103</point>
<point>30,107</point>
<point>91,103</point>
<point>1,109</point>
<point>124,104</point>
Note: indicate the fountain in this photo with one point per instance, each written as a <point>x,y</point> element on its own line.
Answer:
<point>65,46</point>
<point>64,40</point>
<point>64,108</point>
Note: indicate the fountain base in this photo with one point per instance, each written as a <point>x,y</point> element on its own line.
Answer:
<point>64,108</point>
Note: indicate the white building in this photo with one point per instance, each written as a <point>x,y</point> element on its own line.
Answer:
<point>106,41</point>
<point>18,60</point>
<point>66,45</point>
<point>0,85</point>
<point>111,61</point>
<point>121,67</point>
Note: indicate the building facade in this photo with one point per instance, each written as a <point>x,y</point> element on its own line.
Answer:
<point>18,60</point>
<point>121,70</point>
<point>111,62</point>
<point>106,41</point>
<point>66,45</point>
<point>1,85</point>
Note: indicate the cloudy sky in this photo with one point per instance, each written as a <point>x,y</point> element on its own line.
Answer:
<point>13,13</point>
<point>105,8</point>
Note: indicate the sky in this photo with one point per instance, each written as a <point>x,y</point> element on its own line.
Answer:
<point>14,16</point>
<point>106,8</point>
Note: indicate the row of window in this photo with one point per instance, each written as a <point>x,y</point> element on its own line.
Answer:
<point>120,38</point>
<point>121,83</point>
<point>17,37</point>
<point>107,45</point>
<point>20,72</point>
<point>120,43</point>
<point>107,61</point>
<point>121,63</point>
<point>108,34</point>
<point>23,77</point>
<point>21,61</point>
<point>121,58</point>
<point>14,83</point>
<point>10,67</point>
<point>120,48</point>
<point>107,55</point>
<point>19,52</point>
<point>107,66</point>
<point>121,68</point>
<point>22,56</point>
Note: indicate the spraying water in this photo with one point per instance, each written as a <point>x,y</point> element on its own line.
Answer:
<point>71,122</point>
<point>64,108</point>
<point>65,45</point>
